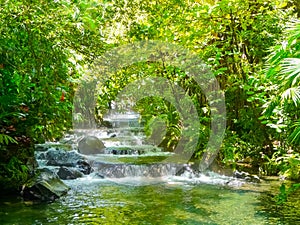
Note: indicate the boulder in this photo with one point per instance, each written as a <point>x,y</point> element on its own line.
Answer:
<point>45,187</point>
<point>76,163</point>
<point>90,145</point>
<point>84,167</point>
<point>62,158</point>
<point>67,173</point>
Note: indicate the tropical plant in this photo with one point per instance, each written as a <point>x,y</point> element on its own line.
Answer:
<point>231,36</point>
<point>6,139</point>
<point>284,71</point>
<point>43,45</point>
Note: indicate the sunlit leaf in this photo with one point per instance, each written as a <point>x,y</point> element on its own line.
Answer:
<point>292,93</point>
<point>291,70</point>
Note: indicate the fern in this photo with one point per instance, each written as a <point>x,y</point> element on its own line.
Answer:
<point>5,139</point>
<point>295,135</point>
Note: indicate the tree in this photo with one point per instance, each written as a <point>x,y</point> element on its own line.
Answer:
<point>231,36</point>
<point>41,43</point>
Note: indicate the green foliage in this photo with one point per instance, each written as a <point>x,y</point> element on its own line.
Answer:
<point>16,169</point>
<point>295,135</point>
<point>232,36</point>
<point>231,150</point>
<point>154,108</point>
<point>285,192</point>
<point>5,139</point>
<point>283,70</point>
<point>43,46</point>
<point>13,174</point>
<point>282,163</point>
<point>46,47</point>
<point>236,51</point>
<point>36,69</point>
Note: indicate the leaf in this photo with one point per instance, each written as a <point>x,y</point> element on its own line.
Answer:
<point>291,69</point>
<point>5,139</point>
<point>295,135</point>
<point>292,93</point>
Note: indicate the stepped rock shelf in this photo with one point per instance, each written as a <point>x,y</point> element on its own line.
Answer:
<point>120,151</point>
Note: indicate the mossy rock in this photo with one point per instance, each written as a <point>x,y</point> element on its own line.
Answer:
<point>46,187</point>
<point>90,145</point>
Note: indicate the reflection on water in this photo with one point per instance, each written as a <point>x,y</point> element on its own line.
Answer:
<point>165,201</point>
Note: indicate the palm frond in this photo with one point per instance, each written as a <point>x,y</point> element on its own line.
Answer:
<point>293,94</point>
<point>293,30</point>
<point>291,69</point>
<point>294,137</point>
<point>270,106</point>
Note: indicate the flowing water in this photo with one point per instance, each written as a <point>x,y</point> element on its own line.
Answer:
<point>145,192</point>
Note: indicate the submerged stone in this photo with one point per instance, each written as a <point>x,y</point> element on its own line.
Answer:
<point>71,163</point>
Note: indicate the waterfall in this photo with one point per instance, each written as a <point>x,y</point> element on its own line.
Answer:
<point>127,154</point>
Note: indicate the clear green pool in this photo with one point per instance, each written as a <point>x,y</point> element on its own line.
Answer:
<point>96,201</point>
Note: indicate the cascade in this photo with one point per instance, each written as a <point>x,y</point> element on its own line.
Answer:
<point>127,154</point>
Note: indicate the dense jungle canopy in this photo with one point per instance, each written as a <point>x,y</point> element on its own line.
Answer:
<point>252,47</point>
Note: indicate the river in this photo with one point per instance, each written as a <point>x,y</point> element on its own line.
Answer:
<point>167,199</point>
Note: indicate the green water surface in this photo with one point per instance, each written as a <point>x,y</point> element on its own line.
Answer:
<point>93,201</point>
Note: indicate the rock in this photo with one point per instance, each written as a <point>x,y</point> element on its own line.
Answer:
<point>253,178</point>
<point>84,167</point>
<point>41,148</point>
<point>186,171</point>
<point>62,158</point>
<point>97,176</point>
<point>46,187</point>
<point>90,145</point>
<point>241,174</point>
<point>69,139</point>
<point>40,155</point>
<point>106,123</point>
<point>73,163</point>
<point>220,168</point>
<point>66,173</point>
<point>246,176</point>
<point>100,176</point>
<point>122,151</point>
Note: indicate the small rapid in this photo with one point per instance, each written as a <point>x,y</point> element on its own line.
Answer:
<point>128,157</point>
